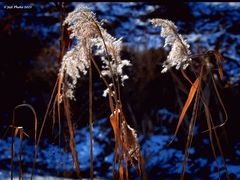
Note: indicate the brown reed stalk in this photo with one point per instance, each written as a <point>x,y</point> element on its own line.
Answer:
<point>42,127</point>
<point>21,133</point>
<point>91,119</point>
<point>72,143</point>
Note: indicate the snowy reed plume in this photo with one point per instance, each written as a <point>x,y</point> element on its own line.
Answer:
<point>90,39</point>
<point>179,53</point>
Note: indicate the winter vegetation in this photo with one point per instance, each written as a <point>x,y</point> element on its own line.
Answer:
<point>120,91</point>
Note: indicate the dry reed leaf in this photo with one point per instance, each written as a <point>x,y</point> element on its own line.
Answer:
<point>114,122</point>
<point>15,132</point>
<point>120,171</point>
<point>222,105</point>
<point>127,146</point>
<point>194,90</point>
<point>209,124</point>
<point>129,137</point>
<point>60,80</point>
<point>185,76</point>
<point>140,163</point>
<point>21,134</point>
<point>212,127</point>
<point>187,104</point>
<point>14,135</point>
<point>71,133</point>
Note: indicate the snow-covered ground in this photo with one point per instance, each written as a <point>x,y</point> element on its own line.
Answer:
<point>156,153</point>
<point>5,175</point>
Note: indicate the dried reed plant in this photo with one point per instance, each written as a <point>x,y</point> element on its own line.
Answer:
<point>93,40</point>
<point>88,39</point>
<point>19,130</point>
<point>181,57</point>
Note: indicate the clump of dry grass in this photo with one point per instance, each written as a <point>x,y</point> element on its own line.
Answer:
<point>91,40</point>
<point>180,56</point>
<point>19,130</point>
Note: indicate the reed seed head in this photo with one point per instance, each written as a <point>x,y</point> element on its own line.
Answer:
<point>91,39</point>
<point>179,53</point>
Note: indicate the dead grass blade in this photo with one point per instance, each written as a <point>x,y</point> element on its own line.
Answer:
<point>195,90</point>
<point>20,155</point>
<point>191,128</point>
<point>14,135</point>
<point>186,105</point>
<point>220,150</point>
<point>129,141</point>
<point>210,129</point>
<point>58,106</point>
<point>72,143</point>
<point>115,123</point>
<point>222,105</point>
<point>35,119</point>
<point>121,174</point>
<point>114,120</point>
<point>126,145</point>
<point>209,120</point>
<point>41,129</point>
<point>185,76</point>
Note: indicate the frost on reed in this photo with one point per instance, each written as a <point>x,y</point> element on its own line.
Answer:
<point>129,137</point>
<point>179,53</point>
<point>90,39</point>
